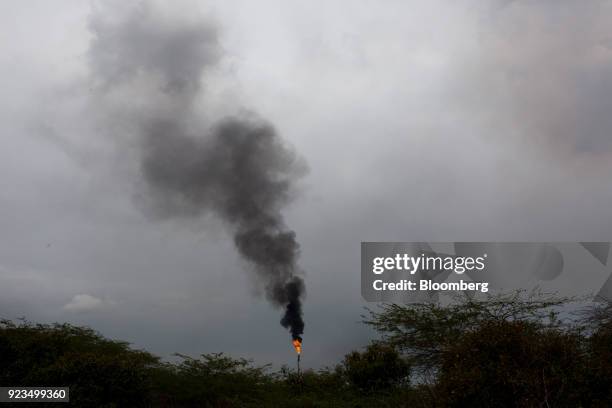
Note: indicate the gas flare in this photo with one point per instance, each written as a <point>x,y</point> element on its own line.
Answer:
<point>297,344</point>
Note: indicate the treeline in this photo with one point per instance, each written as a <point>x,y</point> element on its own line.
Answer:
<point>505,351</point>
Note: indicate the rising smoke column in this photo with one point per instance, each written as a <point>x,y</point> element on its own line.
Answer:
<point>237,168</point>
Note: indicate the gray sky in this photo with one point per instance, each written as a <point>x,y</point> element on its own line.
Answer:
<point>419,121</point>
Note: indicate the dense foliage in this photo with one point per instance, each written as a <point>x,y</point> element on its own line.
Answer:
<point>507,351</point>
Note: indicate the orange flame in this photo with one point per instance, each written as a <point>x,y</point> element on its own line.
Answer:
<point>297,344</point>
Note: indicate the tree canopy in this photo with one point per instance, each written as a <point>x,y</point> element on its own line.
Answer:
<point>512,350</point>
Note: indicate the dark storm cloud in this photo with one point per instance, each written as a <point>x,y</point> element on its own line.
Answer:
<point>237,168</point>
<point>141,41</point>
<point>545,68</point>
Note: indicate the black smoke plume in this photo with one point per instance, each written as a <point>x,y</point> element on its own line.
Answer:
<point>237,168</point>
<point>241,171</point>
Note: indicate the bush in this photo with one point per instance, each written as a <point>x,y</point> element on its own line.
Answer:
<point>99,372</point>
<point>212,380</point>
<point>513,364</point>
<point>379,367</point>
<point>600,366</point>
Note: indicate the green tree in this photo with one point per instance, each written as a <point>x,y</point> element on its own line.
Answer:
<point>599,321</point>
<point>212,380</point>
<point>513,364</point>
<point>379,367</point>
<point>99,371</point>
<point>421,331</point>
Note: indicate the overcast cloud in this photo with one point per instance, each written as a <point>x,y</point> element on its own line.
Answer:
<point>419,121</point>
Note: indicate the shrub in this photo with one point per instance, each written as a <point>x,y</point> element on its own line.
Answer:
<point>379,367</point>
